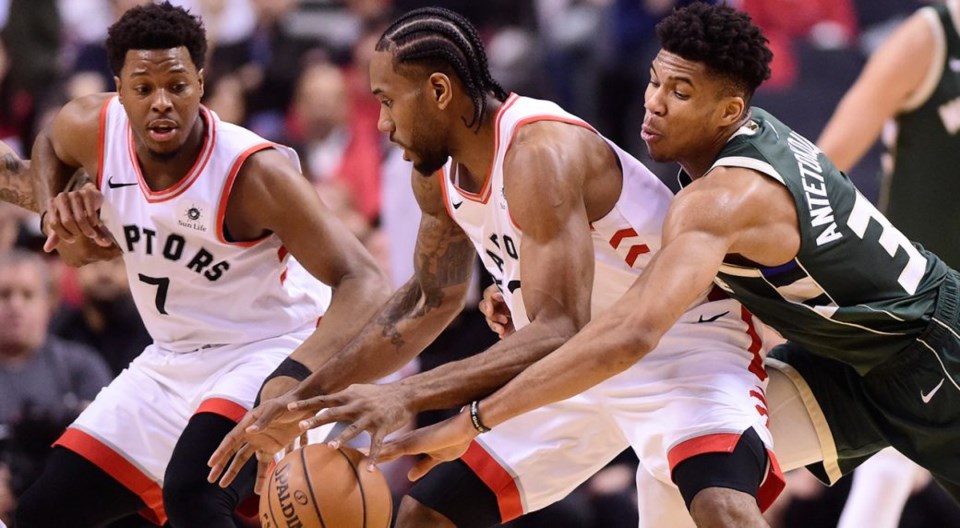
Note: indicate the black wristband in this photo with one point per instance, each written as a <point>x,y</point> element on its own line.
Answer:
<point>42,216</point>
<point>475,417</point>
<point>290,368</point>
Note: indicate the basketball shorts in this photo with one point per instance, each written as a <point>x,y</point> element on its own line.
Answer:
<point>696,393</point>
<point>910,402</point>
<point>132,426</point>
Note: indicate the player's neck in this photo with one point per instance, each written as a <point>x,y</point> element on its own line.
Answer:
<point>703,157</point>
<point>473,148</point>
<point>161,172</point>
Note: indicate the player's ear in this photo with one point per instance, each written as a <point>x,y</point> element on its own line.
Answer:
<point>200,80</point>
<point>732,109</point>
<point>116,81</point>
<point>440,89</point>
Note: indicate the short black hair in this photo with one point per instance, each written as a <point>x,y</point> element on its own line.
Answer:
<point>722,38</point>
<point>153,27</point>
<point>442,40</point>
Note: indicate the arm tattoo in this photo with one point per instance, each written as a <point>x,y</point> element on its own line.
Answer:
<point>444,258</point>
<point>15,186</point>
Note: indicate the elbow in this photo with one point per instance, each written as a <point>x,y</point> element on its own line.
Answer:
<point>634,339</point>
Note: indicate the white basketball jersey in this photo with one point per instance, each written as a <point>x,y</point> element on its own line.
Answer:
<point>192,286</point>
<point>624,240</point>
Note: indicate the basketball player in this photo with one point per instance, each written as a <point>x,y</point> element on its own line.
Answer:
<point>871,320</point>
<point>518,180</point>
<point>908,93</point>
<point>219,233</point>
<point>911,85</point>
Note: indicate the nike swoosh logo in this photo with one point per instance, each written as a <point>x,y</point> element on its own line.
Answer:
<point>926,397</point>
<point>457,205</point>
<point>113,185</point>
<point>712,319</point>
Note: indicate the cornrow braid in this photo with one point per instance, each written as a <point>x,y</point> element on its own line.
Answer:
<point>434,37</point>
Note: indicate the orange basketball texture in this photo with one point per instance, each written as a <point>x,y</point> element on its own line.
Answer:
<point>320,487</point>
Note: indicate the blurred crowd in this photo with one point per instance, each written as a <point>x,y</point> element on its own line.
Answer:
<point>295,72</point>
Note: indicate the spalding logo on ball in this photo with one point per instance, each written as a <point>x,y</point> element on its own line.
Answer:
<point>321,487</point>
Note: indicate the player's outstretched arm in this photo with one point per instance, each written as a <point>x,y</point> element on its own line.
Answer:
<point>550,161</point>
<point>405,324</point>
<point>887,85</point>
<point>724,213</point>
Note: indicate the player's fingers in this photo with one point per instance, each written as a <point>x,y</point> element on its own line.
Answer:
<point>263,474</point>
<point>239,460</point>
<point>422,467</point>
<point>314,404</point>
<point>230,444</point>
<point>53,240</point>
<point>78,209</point>
<point>57,219</point>
<point>349,433</point>
<point>376,445</point>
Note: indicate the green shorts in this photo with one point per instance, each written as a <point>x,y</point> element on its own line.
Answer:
<point>910,402</point>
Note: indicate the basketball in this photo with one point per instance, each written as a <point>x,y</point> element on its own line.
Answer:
<point>317,486</point>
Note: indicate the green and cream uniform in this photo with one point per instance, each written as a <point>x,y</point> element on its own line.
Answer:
<point>871,319</point>
<point>920,183</point>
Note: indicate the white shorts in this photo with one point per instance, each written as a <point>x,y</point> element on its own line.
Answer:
<point>133,424</point>
<point>696,393</point>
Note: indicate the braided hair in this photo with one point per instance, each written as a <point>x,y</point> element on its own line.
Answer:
<point>441,40</point>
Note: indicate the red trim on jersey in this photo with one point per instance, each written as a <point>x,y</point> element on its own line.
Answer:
<point>206,152</point>
<point>120,469</point>
<point>484,193</point>
<point>228,186</point>
<point>230,410</point>
<point>497,479</point>
<point>282,253</point>
<point>773,483</point>
<point>756,364</point>
<point>101,139</point>
<point>283,275</point>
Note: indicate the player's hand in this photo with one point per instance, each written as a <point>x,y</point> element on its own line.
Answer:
<point>495,309</point>
<point>75,213</point>
<point>441,442</point>
<point>83,251</point>
<point>378,409</point>
<point>263,432</point>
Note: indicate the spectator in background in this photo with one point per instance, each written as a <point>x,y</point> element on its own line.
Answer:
<point>44,381</point>
<point>107,319</point>
<point>335,150</point>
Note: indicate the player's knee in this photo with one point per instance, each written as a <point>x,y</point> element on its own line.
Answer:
<point>412,514</point>
<point>187,500</point>
<point>724,508</point>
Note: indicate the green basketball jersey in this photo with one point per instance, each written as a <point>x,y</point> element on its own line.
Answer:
<point>920,194</point>
<point>858,291</point>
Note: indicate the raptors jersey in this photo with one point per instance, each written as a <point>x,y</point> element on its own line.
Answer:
<point>192,286</point>
<point>624,240</point>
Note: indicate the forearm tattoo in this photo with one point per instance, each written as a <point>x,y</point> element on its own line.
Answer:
<point>15,185</point>
<point>444,258</point>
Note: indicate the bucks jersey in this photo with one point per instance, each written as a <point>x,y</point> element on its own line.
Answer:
<point>920,189</point>
<point>624,240</point>
<point>858,291</point>
<point>193,286</point>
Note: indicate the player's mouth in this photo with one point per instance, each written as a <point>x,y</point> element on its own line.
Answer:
<point>649,134</point>
<point>162,130</point>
